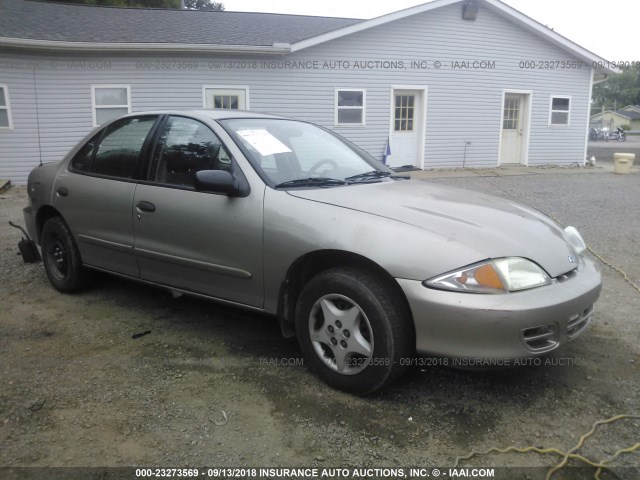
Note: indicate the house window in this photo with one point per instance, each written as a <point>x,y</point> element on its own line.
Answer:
<point>226,102</point>
<point>511,114</point>
<point>226,97</point>
<point>559,111</point>
<point>405,107</point>
<point>5,109</point>
<point>109,102</point>
<point>350,107</point>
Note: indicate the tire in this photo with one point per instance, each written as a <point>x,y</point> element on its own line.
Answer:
<point>61,257</point>
<point>354,332</point>
<point>622,138</point>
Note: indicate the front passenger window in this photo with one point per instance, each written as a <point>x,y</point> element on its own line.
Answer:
<point>187,146</point>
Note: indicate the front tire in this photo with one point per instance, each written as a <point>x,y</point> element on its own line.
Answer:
<point>354,331</point>
<point>61,257</point>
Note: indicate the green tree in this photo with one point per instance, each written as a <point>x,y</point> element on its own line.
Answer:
<point>125,3</point>
<point>618,90</point>
<point>203,5</point>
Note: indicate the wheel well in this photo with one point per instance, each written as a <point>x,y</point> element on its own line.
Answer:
<point>44,214</point>
<point>311,264</point>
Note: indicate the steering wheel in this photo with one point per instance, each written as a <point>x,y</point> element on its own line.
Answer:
<point>316,166</point>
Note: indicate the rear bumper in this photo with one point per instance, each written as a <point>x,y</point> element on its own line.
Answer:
<point>507,326</point>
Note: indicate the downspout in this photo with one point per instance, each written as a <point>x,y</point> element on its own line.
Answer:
<point>592,83</point>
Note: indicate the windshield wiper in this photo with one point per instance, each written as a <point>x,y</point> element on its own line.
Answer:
<point>312,182</point>
<point>372,175</point>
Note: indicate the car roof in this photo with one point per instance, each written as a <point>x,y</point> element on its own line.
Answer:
<point>209,114</point>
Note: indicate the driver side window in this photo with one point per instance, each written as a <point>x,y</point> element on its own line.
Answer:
<point>185,147</point>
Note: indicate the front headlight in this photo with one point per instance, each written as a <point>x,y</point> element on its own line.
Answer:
<point>499,275</point>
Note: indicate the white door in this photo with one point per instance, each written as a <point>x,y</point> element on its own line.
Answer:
<point>226,98</point>
<point>513,128</point>
<point>407,124</point>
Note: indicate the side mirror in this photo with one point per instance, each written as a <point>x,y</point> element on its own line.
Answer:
<point>217,181</point>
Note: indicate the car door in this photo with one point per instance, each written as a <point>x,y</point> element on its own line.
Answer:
<point>201,242</point>
<point>95,194</point>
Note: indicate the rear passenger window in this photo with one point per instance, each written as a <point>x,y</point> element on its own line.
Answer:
<point>120,147</point>
<point>185,147</point>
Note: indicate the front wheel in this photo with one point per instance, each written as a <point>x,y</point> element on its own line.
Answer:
<point>622,138</point>
<point>61,257</point>
<point>353,329</point>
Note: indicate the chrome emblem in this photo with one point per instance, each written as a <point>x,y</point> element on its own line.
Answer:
<point>572,258</point>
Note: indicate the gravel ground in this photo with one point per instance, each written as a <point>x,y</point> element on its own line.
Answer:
<point>215,386</point>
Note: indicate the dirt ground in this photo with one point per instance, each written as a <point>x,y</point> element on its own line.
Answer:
<point>214,386</point>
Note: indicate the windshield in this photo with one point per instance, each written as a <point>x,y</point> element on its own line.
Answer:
<point>298,154</point>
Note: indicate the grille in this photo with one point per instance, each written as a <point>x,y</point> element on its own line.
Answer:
<point>578,322</point>
<point>542,338</point>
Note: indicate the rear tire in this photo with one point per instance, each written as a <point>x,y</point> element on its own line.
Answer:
<point>61,257</point>
<point>354,331</point>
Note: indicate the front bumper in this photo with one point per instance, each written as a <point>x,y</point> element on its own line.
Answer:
<point>505,326</point>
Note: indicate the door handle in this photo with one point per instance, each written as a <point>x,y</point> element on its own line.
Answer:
<point>146,206</point>
<point>62,192</point>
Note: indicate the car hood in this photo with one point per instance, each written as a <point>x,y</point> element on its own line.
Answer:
<point>492,226</point>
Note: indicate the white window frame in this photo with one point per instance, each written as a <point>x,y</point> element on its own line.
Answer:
<point>6,107</point>
<point>336,108</point>
<point>552,111</point>
<point>223,89</point>
<point>94,107</point>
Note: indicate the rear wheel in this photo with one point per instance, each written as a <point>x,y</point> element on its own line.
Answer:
<point>61,257</point>
<point>353,330</point>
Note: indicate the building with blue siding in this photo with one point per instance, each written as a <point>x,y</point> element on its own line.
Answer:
<point>446,84</point>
